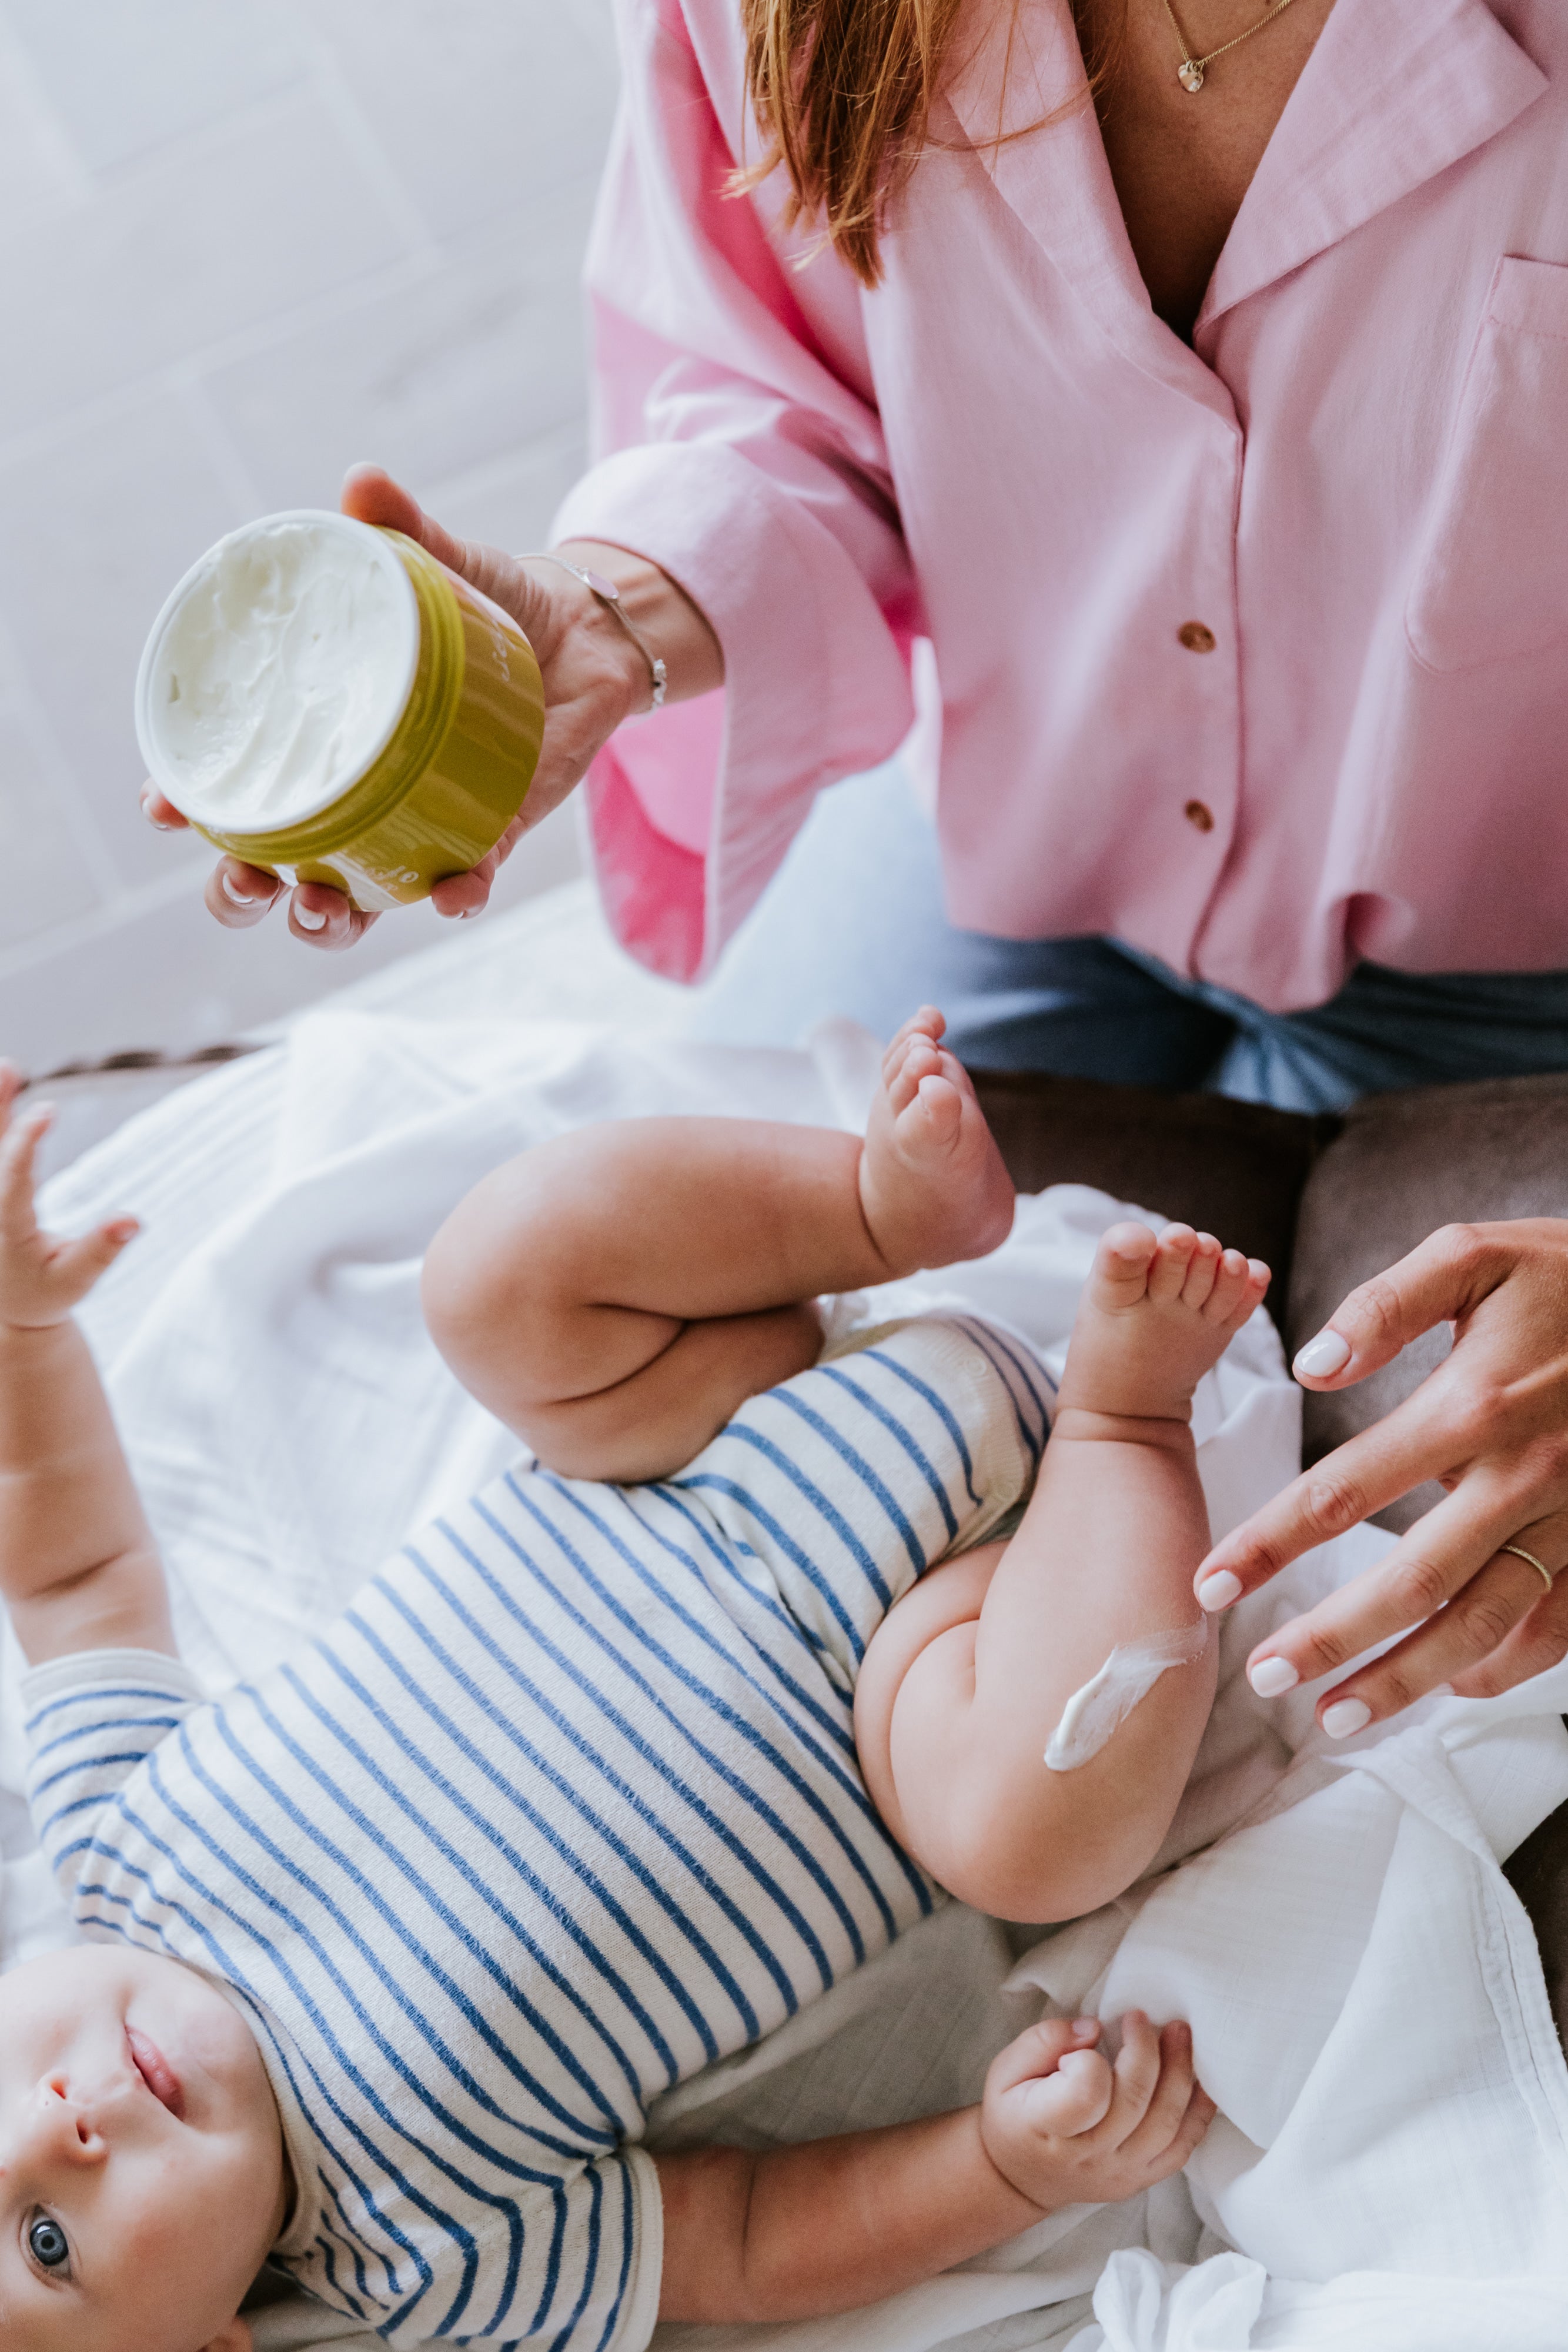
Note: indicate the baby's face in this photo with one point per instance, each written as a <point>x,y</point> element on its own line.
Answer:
<point>142,2166</point>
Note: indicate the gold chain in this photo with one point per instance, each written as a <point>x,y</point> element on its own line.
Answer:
<point>1189,73</point>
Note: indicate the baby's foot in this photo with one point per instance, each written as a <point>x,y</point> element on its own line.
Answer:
<point>933,1186</point>
<point>1154,1315</point>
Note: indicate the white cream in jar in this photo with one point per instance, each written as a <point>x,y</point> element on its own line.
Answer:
<point>279,671</point>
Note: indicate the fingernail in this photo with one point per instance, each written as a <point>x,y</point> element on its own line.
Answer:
<point>362,466</point>
<point>1347,1717</point>
<point>1087,2026</point>
<point>234,894</point>
<point>1442,1690</point>
<point>308,920</point>
<point>1218,1590</point>
<point>1271,1678</point>
<point>1328,1352</point>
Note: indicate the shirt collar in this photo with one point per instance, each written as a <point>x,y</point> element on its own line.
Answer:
<point>1392,95</point>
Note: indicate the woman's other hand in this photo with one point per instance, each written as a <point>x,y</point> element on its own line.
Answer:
<point>1491,1424</point>
<point>594,677</point>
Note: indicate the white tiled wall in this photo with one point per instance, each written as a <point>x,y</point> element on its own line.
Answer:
<point>243,243</point>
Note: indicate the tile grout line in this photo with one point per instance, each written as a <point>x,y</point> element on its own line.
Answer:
<point>556,440</point>
<point>82,930</point>
<point>245,342</point>
<point>354,128</point>
<point>404,275</point>
<point>77,178</point>
<point>190,389</point>
<point>60,775</point>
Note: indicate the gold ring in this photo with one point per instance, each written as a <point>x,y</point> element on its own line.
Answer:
<point>1538,1565</point>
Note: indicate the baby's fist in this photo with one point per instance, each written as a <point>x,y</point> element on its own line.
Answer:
<point>41,1277</point>
<point>1066,2128</point>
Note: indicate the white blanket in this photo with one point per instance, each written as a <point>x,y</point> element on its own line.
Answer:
<point>1364,1986</point>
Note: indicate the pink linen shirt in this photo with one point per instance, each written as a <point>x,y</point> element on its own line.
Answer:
<point>1254,653</point>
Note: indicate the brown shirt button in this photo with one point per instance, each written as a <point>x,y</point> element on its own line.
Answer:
<point>1196,637</point>
<point>1197,813</point>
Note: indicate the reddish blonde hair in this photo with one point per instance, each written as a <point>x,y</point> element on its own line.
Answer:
<point>843,90</point>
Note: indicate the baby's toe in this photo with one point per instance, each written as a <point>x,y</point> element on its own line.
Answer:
<point>927,1023</point>
<point>1172,1260</point>
<point>1120,1268</point>
<point>1203,1268</point>
<point>932,1119</point>
<point>918,1058</point>
<point>1232,1280</point>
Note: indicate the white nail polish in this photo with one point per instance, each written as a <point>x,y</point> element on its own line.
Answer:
<point>1442,1690</point>
<point>235,896</point>
<point>309,920</point>
<point>1218,1590</point>
<point>1347,1717</point>
<point>1328,1352</point>
<point>1272,1677</point>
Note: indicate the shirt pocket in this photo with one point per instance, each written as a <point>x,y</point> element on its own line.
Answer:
<point>1492,579</point>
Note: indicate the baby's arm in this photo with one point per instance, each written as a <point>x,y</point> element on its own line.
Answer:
<point>79,1568</point>
<point>838,2223</point>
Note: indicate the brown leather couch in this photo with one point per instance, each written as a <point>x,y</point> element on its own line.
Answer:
<point>1327,1202</point>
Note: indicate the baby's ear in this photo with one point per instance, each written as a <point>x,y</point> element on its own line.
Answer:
<point>235,2337</point>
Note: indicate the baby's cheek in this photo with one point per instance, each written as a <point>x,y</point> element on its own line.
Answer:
<point>197,2234</point>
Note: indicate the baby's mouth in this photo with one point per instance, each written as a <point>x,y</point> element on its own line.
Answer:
<point>156,2072</point>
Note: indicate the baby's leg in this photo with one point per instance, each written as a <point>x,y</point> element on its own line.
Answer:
<point>614,1295</point>
<point>968,1679</point>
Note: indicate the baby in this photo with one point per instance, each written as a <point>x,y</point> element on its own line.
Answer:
<point>612,1770</point>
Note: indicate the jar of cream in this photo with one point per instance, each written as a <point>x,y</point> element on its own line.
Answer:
<point>321,698</point>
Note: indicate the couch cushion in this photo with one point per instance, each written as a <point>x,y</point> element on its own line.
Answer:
<point>1539,1875</point>
<point>1403,1165</point>
<point>1230,1167</point>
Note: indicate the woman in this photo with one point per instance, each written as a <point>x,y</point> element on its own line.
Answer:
<point>1199,408</point>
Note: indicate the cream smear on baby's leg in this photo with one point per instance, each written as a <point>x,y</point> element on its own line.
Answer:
<point>1097,1710</point>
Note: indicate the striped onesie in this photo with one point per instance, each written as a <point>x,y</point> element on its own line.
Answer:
<point>564,1807</point>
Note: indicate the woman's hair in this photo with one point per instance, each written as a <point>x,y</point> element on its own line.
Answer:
<point>842,90</point>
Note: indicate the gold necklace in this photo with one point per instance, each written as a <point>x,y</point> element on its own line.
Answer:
<point>1189,73</point>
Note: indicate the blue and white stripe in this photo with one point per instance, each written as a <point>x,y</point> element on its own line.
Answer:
<point>563,1808</point>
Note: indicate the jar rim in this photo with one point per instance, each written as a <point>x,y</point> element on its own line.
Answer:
<point>385,545</point>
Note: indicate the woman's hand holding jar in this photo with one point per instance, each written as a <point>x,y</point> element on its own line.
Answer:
<point>594,677</point>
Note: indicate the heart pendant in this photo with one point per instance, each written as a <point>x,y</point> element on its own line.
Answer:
<point>1190,75</point>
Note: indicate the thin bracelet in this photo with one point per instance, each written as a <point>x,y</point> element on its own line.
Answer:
<point>605,592</point>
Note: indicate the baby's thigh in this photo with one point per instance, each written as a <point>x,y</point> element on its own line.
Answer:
<point>943,1608</point>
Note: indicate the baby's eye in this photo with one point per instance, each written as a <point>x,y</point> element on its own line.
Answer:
<point>47,2243</point>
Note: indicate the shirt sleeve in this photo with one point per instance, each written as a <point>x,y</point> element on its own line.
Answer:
<point>735,457</point>
<point>592,2256</point>
<point>92,1720</point>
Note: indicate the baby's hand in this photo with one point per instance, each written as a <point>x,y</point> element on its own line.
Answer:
<point>41,1277</point>
<point>1066,2128</point>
